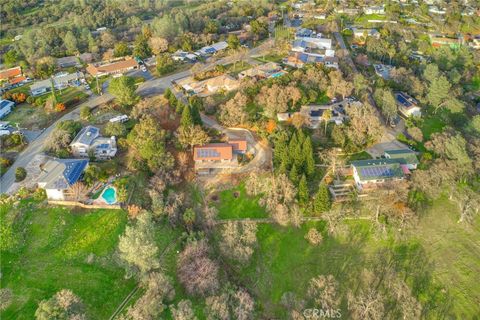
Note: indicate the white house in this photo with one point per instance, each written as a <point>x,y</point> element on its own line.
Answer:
<point>58,175</point>
<point>360,32</point>
<point>407,105</point>
<point>304,43</point>
<point>374,10</point>
<point>6,107</point>
<point>88,141</point>
<point>368,173</point>
<point>60,81</point>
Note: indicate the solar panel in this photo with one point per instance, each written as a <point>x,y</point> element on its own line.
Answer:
<point>378,171</point>
<point>73,170</point>
<point>207,153</point>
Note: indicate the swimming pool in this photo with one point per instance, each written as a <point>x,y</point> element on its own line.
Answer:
<point>109,195</point>
<point>277,74</point>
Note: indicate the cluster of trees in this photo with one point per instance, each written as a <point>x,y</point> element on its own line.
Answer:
<point>58,141</point>
<point>63,305</point>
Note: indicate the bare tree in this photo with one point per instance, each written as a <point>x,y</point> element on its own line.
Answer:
<point>232,113</point>
<point>196,271</point>
<point>183,311</point>
<point>324,291</point>
<point>150,305</point>
<point>238,240</point>
<point>314,237</point>
<point>368,301</point>
<point>217,307</point>
<point>78,192</point>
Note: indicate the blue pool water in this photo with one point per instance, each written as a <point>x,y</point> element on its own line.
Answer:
<point>277,74</point>
<point>109,195</point>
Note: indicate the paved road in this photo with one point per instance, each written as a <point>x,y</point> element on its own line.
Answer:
<point>147,88</point>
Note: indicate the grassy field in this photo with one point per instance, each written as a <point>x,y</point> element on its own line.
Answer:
<point>432,124</point>
<point>235,203</point>
<point>455,250</point>
<point>52,253</point>
<point>28,116</point>
<point>270,58</point>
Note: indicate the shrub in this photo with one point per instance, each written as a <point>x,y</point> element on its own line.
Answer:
<point>5,162</point>
<point>60,107</point>
<point>30,100</point>
<point>85,113</point>
<point>20,174</point>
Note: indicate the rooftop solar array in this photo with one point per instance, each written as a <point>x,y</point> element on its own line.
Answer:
<point>378,171</point>
<point>73,170</point>
<point>207,153</point>
<point>403,100</point>
<point>5,103</point>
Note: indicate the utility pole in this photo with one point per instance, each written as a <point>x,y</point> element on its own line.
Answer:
<point>98,89</point>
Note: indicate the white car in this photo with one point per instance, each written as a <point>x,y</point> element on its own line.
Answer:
<point>122,118</point>
<point>4,133</point>
<point>143,68</point>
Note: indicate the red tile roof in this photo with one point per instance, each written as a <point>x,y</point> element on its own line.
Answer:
<point>18,79</point>
<point>113,67</point>
<point>238,145</point>
<point>10,73</point>
<point>213,151</point>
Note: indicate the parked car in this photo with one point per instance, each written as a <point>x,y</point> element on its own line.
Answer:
<point>143,68</point>
<point>87,87</point>
<point>122,118</point>
<point>4,133</point>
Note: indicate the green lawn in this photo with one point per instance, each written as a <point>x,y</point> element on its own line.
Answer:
<point>237,68</point>
<point>455,250</point>
<point>235,203</point>
<point>270,58</point>
<point>53,244</point>
<point>66,95</point>
<point>432,124</point>
<point>28,116</point>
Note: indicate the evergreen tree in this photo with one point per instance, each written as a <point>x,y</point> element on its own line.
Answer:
<point>280,149</point>
<point>283,168</point>
<point>187,118</point>
<point>293,174</point>
<point>298,157</point>
<point>197,119</point>
<point>303,190</point>
<point>300,136</point>
<point>309,161</point>
<point>322,200</point>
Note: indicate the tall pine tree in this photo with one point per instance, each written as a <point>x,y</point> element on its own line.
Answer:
<point>187,118</point>
<point>293,175</point>
<point>322,202</point>
<point>197,119</point>
<point>309,161</point>
<point>303,190</point>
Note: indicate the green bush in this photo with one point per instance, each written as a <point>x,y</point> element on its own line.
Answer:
<point>85,113</point>
<point>20,174</point>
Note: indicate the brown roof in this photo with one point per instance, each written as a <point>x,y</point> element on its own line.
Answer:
<point>18,79</point>
<point>10,73</point>
<point>112,67</point>
<point>238,145</point>
<point>213,151</point>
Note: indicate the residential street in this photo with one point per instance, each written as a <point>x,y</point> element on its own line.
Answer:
<point>147,88</point>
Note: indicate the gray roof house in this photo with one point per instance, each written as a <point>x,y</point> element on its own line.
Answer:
<point>6,107</point>
<point>67,62</point>
<point>58,175</point>
<point>88,141</point>
<point>60,81</point>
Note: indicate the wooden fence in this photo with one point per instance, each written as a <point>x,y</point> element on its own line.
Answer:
<point>83,205</point>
